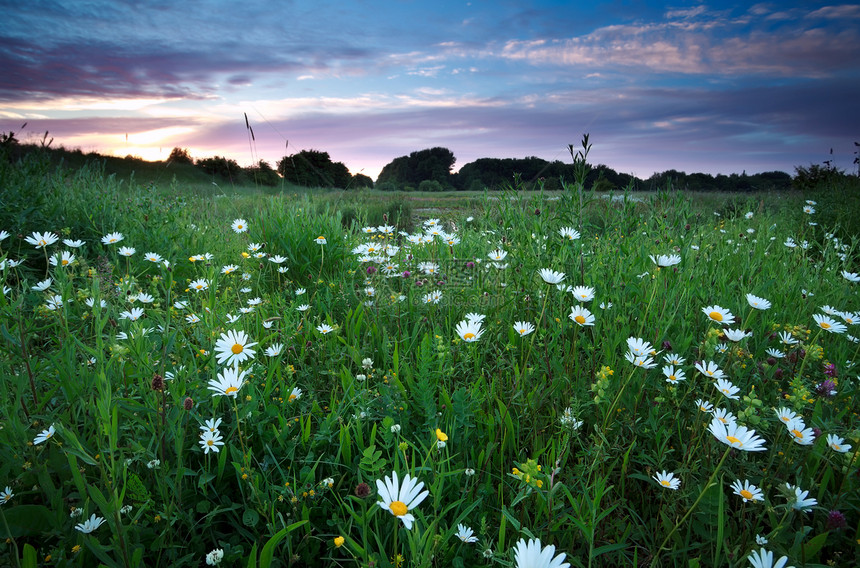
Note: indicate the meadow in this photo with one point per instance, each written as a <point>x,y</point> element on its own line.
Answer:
<point>530,379</point>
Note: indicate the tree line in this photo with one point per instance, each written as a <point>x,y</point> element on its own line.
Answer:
<point>431,170</point>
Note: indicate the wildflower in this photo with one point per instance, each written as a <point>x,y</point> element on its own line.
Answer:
<point>721,347</point>
<point>233,348</point>
<point>112,238</point>
<point>441,436</point>
<point>850,318</point>
<point>320,240</point>
<point>191,318</point>
<point>760,540</point>
<point>775,353</point>
<point>338,541</point>
<point>758,303</point>
<point>77,243</point>
<point>362,490</point>
<point>851,276</point>
<point>583,293</point>
<point>704,405</point>
<point>665,260</point>
<point>723,416</point>
<point>469,331</point>
<point>531,555</point>
<point>90,524</point>
<point>764,559</point>
<point>826,388</point>
<point>551,276</point>
<point>568,420</point>
<point>640,361</point>
<point>667,480</point>
<point>673,359</point>
<point>828,324</point>
<point>468,472</point>
<point>401,499</point>
<point>228,383</point>
<point>126,251</point>
<point>395,429</point>
<point>6,495</point>
<point>152,464</point>
<point>727,388</point>
<point>239,226</point>
<point>800,501</point>
<point>736,436</point>
<point>710,369</point>
<point>523,328</point>
<point>747,491</point>
<point>719,315</point>
<point>433,297</point>
<point>836,521</point>
<point>41,240</point>
<point>211,425</point>
<point>800,433</point>
<point>466,534</point>
<point>569,233</point>
<point>303,308</point>
<point>837,444</point>
<point>45,435</point>
<point>786,415</point>
<point>581,316</point>
<point>199,285</point>
<point>808,209</point>
<point>786,338</point>
<point>736,334</point>
<point>62,259</point>
<point>295,394</point>
<point>153,257</point>
<point>673,375</point>
<point>639,346</point>
<point>274,350</point>
<point>214,557</point>
<point>42,286</point>
<point>134,314</point>
<point>210,440</point>
<point>325,329</point>
<point>497,255</point>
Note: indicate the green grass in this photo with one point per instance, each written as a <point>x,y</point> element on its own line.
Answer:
<point>555,435</point>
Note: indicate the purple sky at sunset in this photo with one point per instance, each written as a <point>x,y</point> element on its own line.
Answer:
<point>714,87</point>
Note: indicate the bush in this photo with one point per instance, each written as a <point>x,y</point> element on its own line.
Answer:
<point>430,185</point>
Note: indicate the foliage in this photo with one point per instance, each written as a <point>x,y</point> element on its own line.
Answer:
<point>432,164</point>
<point>180,156</point>
<point>313,168</point>
<point>263,174</point>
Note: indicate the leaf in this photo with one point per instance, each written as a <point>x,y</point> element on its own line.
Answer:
<point>28,520</point>
<point>811,549</point>
<point>250,518</point>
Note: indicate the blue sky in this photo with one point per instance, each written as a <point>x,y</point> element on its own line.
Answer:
<point>713,87</point>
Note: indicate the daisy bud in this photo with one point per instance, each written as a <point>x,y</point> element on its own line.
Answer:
<point>188,404</point>
<point>362,490</point>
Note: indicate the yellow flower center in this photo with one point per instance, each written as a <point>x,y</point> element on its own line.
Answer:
<point>522,330</point>
<point>837,447</point>
<point>797,434</point>
<point>665,483</point>
<point>210,443</point>
<point>231,390</point>
<point>469,336</point>
<point>716,316</point>
<point>673,378</point>
<point>723,420</point>
<point>293,397</point>
<point>746,494</point>
<point>825,325</point>
<point>236,349</point>
<point>398,508</point>
<point>580,320</point>
<point>64,262</point>
<point>734,440</point>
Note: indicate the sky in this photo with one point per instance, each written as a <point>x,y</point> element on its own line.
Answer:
<point>716,87</point>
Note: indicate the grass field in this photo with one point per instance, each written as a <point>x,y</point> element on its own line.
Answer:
<point>199,375</point>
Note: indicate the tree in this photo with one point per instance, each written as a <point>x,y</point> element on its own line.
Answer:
<point>433,164</point>
<point>361,180</point>
<point>263,174</point>
<point>313,168</point>
<point>220,166</point>
<point>180,156</point>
